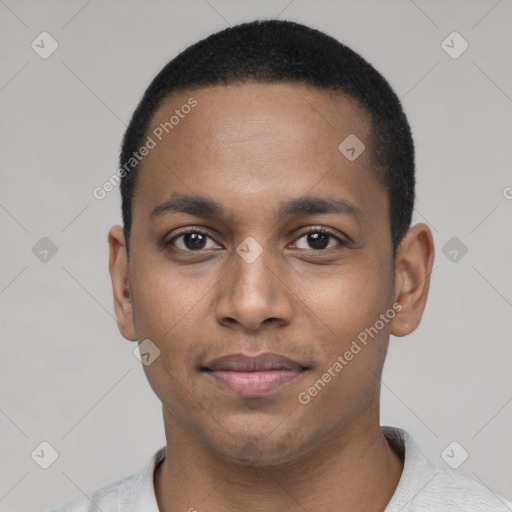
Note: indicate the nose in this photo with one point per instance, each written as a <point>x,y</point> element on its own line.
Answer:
<point>254,294</point>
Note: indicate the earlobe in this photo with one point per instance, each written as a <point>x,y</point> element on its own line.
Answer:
<point>414,260</point>
<point>118,268</point>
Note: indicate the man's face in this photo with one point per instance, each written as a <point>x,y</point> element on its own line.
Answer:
<point>255,149</point>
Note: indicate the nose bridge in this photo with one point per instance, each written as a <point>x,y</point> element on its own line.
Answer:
<point>251,293</point>
<point>251,271</point>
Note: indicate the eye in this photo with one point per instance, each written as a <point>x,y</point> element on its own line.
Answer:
<point>318,239</point>
<point>193,240</point>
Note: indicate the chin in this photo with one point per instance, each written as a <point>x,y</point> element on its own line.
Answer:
<point>250,454</point>
<point>266,446</point>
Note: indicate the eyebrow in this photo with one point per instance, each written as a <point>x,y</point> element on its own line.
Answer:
<point>201,206</point>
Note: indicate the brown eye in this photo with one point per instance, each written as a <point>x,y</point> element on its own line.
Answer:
<point>317,240</point>
<point>193,241</point>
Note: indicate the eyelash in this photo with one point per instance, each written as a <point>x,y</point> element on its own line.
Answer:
<point>199,231</point>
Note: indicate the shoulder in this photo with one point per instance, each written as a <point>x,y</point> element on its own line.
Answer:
<point>106,499</point>
<point>449,491</point>
<point>134,493</point>
<point>428,486</point>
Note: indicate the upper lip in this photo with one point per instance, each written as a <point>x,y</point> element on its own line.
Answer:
<point>244,363</point>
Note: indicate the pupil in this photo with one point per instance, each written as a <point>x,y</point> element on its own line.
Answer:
<point>194,240</point>
<point>318,240</point>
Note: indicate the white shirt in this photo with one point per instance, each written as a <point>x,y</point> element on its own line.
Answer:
<point>423,486</point>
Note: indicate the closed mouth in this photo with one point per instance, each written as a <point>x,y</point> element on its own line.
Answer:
<point>253,376</point>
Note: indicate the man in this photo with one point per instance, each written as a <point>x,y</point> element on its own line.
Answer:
<point>265,258</point>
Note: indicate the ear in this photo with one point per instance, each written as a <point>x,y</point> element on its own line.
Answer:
<point>414,260</point>
<point>118,267</point>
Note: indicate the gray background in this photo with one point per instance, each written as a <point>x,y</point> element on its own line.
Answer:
<point>67,375</point>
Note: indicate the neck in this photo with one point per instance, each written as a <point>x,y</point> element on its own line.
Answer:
<point>358,473</point>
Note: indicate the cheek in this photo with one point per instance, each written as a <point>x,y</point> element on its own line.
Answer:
<point>354,338</point>
<point>165,300</point>
<point>348,301</point>
<point>170,310</point>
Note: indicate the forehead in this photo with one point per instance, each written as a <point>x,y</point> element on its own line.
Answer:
<point>251,140</point>
<point>231,113</point>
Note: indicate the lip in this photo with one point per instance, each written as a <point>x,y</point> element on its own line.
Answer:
<point>253,375</point>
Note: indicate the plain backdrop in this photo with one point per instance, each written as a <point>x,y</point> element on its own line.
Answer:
<point>68,378</point>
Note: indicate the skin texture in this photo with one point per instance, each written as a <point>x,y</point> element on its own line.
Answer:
<point>252,147</point>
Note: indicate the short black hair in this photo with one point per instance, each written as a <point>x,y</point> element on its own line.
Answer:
<point>269,51</point>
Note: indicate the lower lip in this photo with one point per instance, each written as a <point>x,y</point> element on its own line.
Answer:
<point>256,383</point>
